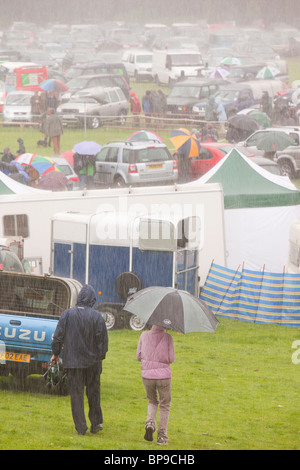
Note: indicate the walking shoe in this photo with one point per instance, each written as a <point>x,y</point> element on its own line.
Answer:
<point>95,429</point>
<point>149,433</point>
<point>161,441</point>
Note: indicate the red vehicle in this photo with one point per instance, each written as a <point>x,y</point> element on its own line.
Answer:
<point>22,76</point>
<point>210,154</point>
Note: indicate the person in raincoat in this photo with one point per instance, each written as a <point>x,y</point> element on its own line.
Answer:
<point>155,351</point>
<point>53,128</point>
<point>82,333</point>
<point>210,110</point>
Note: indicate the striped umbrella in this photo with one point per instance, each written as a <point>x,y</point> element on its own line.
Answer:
<point>231,61</point>
<point>185,142</point>
<point>144,136</point>
<point>42,164</point>
<point>268,72</point>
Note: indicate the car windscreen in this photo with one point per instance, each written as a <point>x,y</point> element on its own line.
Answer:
<point>10,262</point>
<point>152,154</point>
<point>185,92</point>
<point>227,95</point>
<point>18,100</point>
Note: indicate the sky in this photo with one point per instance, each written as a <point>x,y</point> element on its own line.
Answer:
<point>43,11</point>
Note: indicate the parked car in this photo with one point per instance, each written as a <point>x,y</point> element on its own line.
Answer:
<point>133,163</point>
<point>289,161</point>
<point>210,154</point>
<point>17,106</point>
<point>9,261</point>
<point>251,141</point>
<point>85,82</point>
<point>96,68</point>
<point>267,164</point>
<point>186,93</point>
<point>138,64</point>
<point>94,107</point>
<point>68,171</point>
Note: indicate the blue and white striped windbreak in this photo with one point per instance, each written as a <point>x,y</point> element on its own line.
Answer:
<point>260,297</point>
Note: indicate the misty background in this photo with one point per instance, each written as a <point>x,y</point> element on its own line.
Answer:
<point>167,11</point>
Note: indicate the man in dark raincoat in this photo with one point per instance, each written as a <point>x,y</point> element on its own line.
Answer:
<point>82,333</point>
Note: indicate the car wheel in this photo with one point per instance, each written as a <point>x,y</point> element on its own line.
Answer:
<point>94,122</point>
<point>122,118</point>
<point>286,168</point>
<point>135,323</point>
<point>110,315</point>
<point>119,182</point>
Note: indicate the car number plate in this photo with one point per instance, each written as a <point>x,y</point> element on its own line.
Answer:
<point>154,166</point>
<point>16,357</point>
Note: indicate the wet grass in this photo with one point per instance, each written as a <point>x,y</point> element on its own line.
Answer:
<point>235,390</point>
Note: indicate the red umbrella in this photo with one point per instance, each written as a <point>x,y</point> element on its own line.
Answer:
<point>53,181</point>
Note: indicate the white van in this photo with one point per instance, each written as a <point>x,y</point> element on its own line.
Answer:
<point>170,65</point>
<point>138,64</point>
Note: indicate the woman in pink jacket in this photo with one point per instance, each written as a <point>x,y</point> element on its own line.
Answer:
<point>156,352</point>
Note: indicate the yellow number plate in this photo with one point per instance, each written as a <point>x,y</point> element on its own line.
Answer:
<point>16,357</point>
<point>155,166</point>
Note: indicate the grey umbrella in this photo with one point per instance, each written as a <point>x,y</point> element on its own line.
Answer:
<point>172,308</point>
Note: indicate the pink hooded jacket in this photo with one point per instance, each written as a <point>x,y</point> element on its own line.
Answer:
<point>156,352</point>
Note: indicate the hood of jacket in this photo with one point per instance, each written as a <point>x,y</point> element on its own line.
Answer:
<point>87,296</point>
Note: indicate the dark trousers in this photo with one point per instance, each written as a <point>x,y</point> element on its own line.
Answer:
<point>89,378</point>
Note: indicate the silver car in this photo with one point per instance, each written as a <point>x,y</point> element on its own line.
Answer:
<point>94,107</point>
<point>131,163</point>
<point>17,106</point>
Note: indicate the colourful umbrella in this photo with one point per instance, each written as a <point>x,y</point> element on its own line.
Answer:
<point>268,72</point>
<point>144,136</point>
<point>185,142</point>
<point>231,61</point>
<point>42,164</point>
<point>54,85</point>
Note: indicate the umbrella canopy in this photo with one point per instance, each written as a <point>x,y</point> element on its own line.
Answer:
<point>54,85</point>
<point>42,164</point>
<point>274,140</point>
<point>53,181</point>
<point>243,122</point>
<point>268,72</point>
<point>231,61</point>
<point>219,72</point>
<point>144,136</point>
<point>185,142</point>
<point>170,308</point>
<point>87,147</point>
<point>68,155</point>
<point>260,117</point>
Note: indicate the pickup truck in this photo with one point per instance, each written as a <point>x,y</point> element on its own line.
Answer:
<point>29,311</point>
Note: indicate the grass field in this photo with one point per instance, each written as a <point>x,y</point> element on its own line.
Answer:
<point>237,389</point>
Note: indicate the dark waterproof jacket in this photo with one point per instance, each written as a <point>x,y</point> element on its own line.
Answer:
<point>82,333</point>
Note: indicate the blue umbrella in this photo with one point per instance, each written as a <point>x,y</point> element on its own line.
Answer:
<point>87,147</point>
